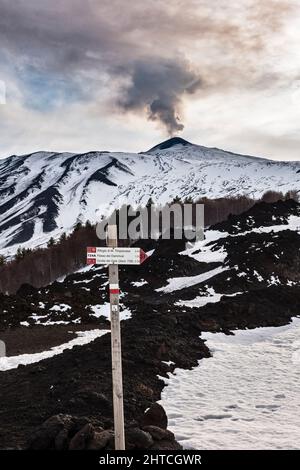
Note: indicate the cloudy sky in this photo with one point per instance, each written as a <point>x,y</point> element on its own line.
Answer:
<point>115,75</point>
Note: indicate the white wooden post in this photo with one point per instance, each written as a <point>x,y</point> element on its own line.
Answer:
<point>116,350</point>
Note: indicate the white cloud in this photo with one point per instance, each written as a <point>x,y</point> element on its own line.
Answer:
<point>245,53</point>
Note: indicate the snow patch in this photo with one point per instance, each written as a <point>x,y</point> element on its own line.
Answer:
<point>245,397</point>
<point>177,283</point>
<point>139,283</point>
<point>201,301</point>
<point>60,308</point>
<point>104,311</point>
<point>83,337</point>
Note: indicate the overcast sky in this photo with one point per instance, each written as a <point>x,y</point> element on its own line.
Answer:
<point>124,75</point>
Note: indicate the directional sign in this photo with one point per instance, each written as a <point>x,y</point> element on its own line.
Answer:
<point>107,255</point>
<point>113,256</point>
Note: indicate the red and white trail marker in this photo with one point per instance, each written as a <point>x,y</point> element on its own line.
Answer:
<point>113,256</point>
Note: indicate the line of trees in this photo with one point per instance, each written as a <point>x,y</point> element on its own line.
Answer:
<point>217,210</point>
<point>41,266</point>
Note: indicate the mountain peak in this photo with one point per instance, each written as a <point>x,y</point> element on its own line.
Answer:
<point>170,143</point>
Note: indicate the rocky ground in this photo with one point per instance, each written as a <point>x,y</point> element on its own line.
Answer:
<point>245,274</point>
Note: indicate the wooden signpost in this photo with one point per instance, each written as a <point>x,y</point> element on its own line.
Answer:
<point>113,256</point>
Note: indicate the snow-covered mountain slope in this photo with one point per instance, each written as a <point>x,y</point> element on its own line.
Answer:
<point>44,194</point>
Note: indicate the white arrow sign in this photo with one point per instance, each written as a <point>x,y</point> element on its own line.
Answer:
<point>106,255</point>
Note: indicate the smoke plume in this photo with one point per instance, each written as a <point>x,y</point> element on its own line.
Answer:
<point>158,87</point>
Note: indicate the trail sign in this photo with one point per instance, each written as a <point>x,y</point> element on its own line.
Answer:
<point>113,256</point>
<point>108,255</point>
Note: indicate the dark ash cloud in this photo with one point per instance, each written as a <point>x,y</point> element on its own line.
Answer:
<point>157,86</point>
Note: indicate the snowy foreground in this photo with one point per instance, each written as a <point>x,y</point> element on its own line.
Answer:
<point>45,194</point>
<point>247,396</point>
